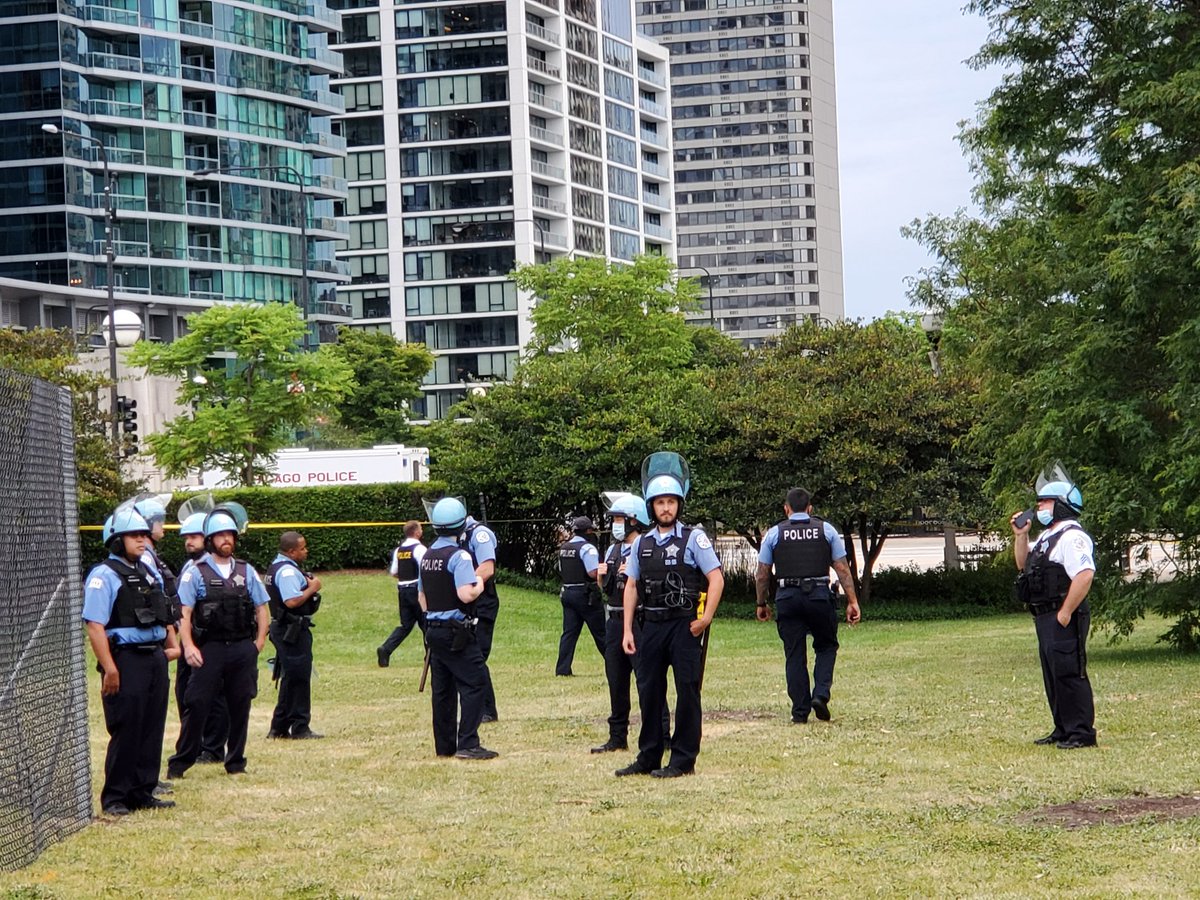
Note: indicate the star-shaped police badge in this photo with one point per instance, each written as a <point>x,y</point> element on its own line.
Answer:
<point>239,579</point>
<point>673,551</point>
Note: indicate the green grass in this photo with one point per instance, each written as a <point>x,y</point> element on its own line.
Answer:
<point>912,790</point>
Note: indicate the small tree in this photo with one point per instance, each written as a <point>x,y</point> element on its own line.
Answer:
<point>257,386</point>
<point>387,379</point>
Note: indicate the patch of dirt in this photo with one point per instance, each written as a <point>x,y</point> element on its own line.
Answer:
<point>737,715</point>
<point>1117,811</point>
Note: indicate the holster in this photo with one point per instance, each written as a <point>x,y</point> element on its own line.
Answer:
<point>463,633</point>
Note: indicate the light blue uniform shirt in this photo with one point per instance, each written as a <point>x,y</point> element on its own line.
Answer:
<point>99,595</point>
<point>482,544</point>
<point>698,552</point>
<point>191,584</point>
<point>289,579</point>
<point>766,554</point>
<point>463,570</point>
<point>588,554</point>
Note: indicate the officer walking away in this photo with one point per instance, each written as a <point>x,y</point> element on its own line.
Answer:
<point>225,622</point>
<point>480,542</point>
<point>671,571</point>
<point>1056,574</point>
<point>802,549</point>
<point>127,614</point>
<point>406,562</point>
<point>295,598</point>
<point>578,561</point>
<point>449,589</point>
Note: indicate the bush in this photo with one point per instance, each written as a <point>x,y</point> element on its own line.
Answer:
<point>911,594</point>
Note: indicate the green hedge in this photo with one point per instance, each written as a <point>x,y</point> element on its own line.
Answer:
<point>908,593</point>
<point>329,548</point>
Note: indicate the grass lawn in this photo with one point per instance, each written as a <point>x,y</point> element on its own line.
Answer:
<point>914,788</point>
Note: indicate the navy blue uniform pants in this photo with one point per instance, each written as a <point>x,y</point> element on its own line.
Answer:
<point>1063,653</point>
<point>216,729</point>
<point>230,669</point>
<point>484,629</point>
<point>457,679</point>
<point>797,616</point>
<point>411,615</point>
<point>662,645</point>
<point>581,606</point>
<point>135,717</point>
<point>618,668</point>
<point>293,662</point>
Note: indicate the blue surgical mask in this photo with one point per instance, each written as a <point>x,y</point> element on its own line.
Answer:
<point>1045,516</point>
<point>618,531</point>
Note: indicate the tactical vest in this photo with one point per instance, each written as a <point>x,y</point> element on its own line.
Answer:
<point>802,550</point>
<point>170,585</point>
<point>140,601</point>
<point>665,581</point>
<point>1044,583</point>
<point>614,579</point>
<point>488,604</point>
<point>570,564</point>
<point>437,581</point>
<point>406,565</point>
<point>276,604</point>
<point>226,611</point>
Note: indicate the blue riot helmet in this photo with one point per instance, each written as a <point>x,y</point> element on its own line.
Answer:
<point>632,507</point>
<point>217,521</point>
<point>151,509</point>
<point>123,521</point>
<point>666,462</point>
<point>663,486</point>
<point>448,516</point>
<point>1054,483</point>
<point>193,524</point>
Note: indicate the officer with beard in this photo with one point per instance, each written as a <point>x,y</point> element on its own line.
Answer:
<point>578,560</point>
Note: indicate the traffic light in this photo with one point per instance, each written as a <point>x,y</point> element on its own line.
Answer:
<point>127,417</point>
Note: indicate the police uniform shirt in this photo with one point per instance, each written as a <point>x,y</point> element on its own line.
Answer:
<point>482,544</point>
<point>1073,551</point>
<point>766,553</point>
<point>588,555</point>
<point>418,554</point>
<point>191,584</point>
<point>289,580</point>
<point>150,561</point>
<point>460,567</point>
<point>99,595</point>
<point>698,552</point>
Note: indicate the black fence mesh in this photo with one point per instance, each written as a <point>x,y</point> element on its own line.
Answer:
<point>45,780</point>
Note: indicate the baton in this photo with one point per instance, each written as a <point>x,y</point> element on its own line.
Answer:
<point>704,653</point>
<point>424,672</point>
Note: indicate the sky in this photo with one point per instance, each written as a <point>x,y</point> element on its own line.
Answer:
<point>902,89</point>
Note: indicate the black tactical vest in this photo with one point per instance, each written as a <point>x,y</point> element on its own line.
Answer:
<point>406,565</point>
<point>802,550</point>
<point>276,604</point>
<point>570,565</point>
<point>141,602</point>
<point>614,580</point>
<point>1044,582</point>
<point>488,604</point>
<point>226,611</point>
<point>665,581</point>
<point>437,581</point>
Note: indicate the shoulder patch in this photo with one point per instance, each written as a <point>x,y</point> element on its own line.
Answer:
<point>483,537</point>
<point>186,576</point>
<point>464,555</point>
<point>702,541</point>
<point>96,584</point>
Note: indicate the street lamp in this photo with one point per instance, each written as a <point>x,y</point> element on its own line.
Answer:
<point>109,266</point>
<point>712,320</point>
<point>304,285</point>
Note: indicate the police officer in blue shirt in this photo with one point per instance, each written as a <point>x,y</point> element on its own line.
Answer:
<point>668,571</point>
<point>225,622</point>
<point>449,588</point>
<point>480,542</point>
<point>578,562</point>
<point>295,599</point>
<point>127,614</point>
<point>802,549</point>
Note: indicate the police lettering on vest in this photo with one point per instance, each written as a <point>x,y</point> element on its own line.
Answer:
<point>570,565</point>
<point>802,550</point>
<point>437,581</point>
<point>140,602</point>
<point>226,611</point>
<point>406,566</point>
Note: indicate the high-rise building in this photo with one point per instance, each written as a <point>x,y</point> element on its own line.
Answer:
<point>484,134</point>
<point>755,143</point>
<point>172,90</point>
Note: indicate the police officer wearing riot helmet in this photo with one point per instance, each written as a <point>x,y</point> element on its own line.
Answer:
<point>295,599</point>
<point>667,571</point>
<point>127,614</point>
<point>448,592</point>
<point>406,562</point>
<point>480,542</point>
<point>225,622</point>
<point>578,561</point>
<point>1056,574</point>
<point>802,549</point>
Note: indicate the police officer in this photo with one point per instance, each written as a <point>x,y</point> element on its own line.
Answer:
<point>1056,575</point>
<point>225,622</point>
<point>127,614</point>
<point>578,561</point>
<point>480,542</point>
<point>802,549</point>
<point>295,599</point>
<point>406,562</point>
<point>448,591</point>
<point>668,571</point>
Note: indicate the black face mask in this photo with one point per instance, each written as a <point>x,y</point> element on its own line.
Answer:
<point>589,536</point>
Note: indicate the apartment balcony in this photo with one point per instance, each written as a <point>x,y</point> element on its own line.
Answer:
<point>545,35</point>
<point>540,65</point>
<point>554,239</point>
<point>115,15</point>
<point>545,102</point>
<point>116,108</point>
<point>204,209</point>
<point>549,204</point>
<point>551,4</point>
<point>326,99</point>
<point>329,266</point>
<point>113,62</point>
<point>330,225</point>
<point>122,248</point>
<point>323,61</point>
<point>661,201</point>
<point>652,77</point>
<point>326,140</point>
<point>545,136</point>
<point>204,254</point>
<point>202,74</point>
<point>199,119</point>
<point>196,29</point>
<point>658,110</point>
<point>322,18</point>
<point>331,309</point>
<point>658,170</point>
<point>556,172</point>
<point>657,231</point>
<point>653,137</point>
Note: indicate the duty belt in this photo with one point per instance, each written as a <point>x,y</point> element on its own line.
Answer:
<point>576,584</point>
<point>667,613</point>
<point>803,582</point>
<point>1040,609</point>
<point>615,612</point>
<point>450,623</point>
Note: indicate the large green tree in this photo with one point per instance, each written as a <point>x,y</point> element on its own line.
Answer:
<point>1072,296</point>
<point>257,385</point>
<point>387,379</point>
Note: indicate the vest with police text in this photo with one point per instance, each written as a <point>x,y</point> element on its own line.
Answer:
<point>406,565</point>
<point>664,579</point>
<point>570,565</point>
<point>226,611</point>
<point>276,604</point>
<point>437,581</point>
<point>802,550</point>
<point>140,602</point>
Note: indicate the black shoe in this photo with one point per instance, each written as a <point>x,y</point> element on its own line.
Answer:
<point>116,809</point>
<point>821,707</point>
<point>488,717</point>
<point>670,772</point>
<point>1075,744</point>
<point>564,674</point>
<point>174,774</point>
<point>207,756</point>
<point>799,720</point>
<point>476,753</point>
<point>306,735</point>
<point>235,771</point>
<point>162,789</point>
<point>634,768</point>
<point>382,655</point>
<point>278,735</point>
<point>155,803</point>
<point>610,745</point>
<point>1051,738</point>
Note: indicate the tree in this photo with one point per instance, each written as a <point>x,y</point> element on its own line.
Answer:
<point>387,379</point>
<point>1072,296</point>
<point>257,386</point>
<point>52,355</point>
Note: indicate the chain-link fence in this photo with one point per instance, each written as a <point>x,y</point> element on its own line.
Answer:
<point>45,781</point>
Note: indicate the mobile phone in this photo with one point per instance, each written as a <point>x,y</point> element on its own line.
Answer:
<point>1024,518</point>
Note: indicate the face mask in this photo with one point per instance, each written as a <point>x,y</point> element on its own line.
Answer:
<point>618,531</point>
<point>1045,516</point>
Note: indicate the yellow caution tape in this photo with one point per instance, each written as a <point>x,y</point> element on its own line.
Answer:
<point>291,525</point>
